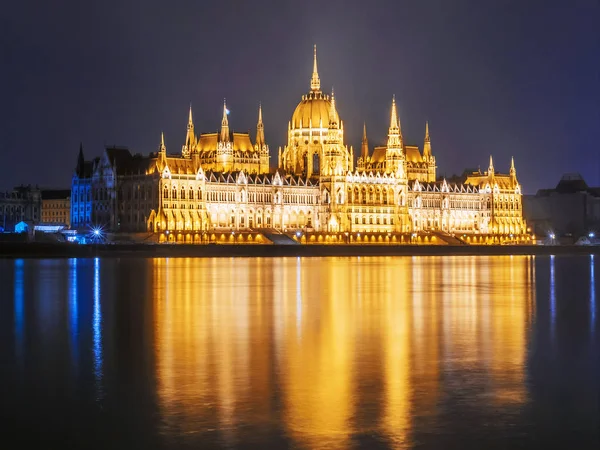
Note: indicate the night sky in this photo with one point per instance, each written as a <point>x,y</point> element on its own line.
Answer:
<point>492,77</point>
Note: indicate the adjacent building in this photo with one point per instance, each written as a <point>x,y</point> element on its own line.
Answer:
<point>570,209</point>
<point>56,206</point>
<point>22,204</point>
<point>222,181</point>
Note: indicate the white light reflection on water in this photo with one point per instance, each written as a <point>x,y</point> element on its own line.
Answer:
<point>298,297</point>
<point>97,330</point>
<point>552,296</point>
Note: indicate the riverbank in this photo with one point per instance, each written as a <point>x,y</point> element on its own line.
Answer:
<point>49,250</point>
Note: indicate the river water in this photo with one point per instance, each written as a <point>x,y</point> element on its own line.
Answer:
<point>362,352</point>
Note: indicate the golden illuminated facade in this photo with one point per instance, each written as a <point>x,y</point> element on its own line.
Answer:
<point>221,183</point>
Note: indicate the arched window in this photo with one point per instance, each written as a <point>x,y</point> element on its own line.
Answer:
<point>385,197</point>
<point>166,192</point>
<point>182,193</point>
<point>199,193</point>
<point>174,194</point>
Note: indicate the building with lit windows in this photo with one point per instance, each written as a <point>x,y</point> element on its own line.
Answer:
<point>222,183</point>
<point>56,206</point>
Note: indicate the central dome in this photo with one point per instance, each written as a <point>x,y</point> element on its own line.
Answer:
<point>312,111</point>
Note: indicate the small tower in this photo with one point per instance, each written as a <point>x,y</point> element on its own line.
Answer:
<point>394,131</point>
<point>427,144</point>
<point>260,129</point>
<point>393,154</point>
<point>315,82</point>
<point>224,124</point>
<point>491,167</point>
<point>80,161</point>
<point>334,122</point>
<point>364,149</point>
<point>513,171</point>
<point>163,148</point>
<point>190,139</point>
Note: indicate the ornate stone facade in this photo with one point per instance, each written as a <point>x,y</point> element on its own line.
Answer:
<point>221,182</point>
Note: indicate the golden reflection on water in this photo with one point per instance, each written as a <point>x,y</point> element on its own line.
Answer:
<point>334,347</point>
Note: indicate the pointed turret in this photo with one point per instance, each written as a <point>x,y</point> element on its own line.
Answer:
<point>394,132</point>
<point>491,167</point>
<point>394,115</point>
<point>190,138</point>
<point>427,143</point>
<point>80,161</point>
<point>513,171</point>
<point>260,129</point>
<point>163,148</point>
<point>364,149</point>
<point>224,124</point>
<point>315,82</point>
<point>333,115</point>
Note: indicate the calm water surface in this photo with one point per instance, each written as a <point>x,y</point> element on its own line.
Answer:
<point>384,352</point>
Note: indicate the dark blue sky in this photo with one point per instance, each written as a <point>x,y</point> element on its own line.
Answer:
<point>493,77</point>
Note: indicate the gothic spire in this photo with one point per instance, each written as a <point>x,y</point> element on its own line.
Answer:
<point>162,142</point>
<point>364,150</point>
<point>394,115</point>
<point>260,129</point>
<point>80,161</point>
<point>394,132</point>
<point>513,170</point>
<point>491,166</point>
<point>190,121</point>
<point>315,82</point>
<point>333,117</point>
<point>427,143</point>
<point>224,124</point>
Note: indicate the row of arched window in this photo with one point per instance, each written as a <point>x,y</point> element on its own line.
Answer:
<point>184,194</point>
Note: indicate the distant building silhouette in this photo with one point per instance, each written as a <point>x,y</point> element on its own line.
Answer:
<point>571,209</point>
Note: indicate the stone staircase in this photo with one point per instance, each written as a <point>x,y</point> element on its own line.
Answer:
<point>277,237</point>
<point>448,238</point>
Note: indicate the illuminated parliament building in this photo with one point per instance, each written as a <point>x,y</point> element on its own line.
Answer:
<point>221,186</point>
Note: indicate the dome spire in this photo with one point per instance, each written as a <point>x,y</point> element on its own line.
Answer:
<point>163,148</point>
<point>315,82</point>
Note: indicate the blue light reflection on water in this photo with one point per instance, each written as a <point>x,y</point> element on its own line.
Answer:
<point>97,330</point>
<point>73,308</point>
<point>19,308</point>
<point>592,296</point>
